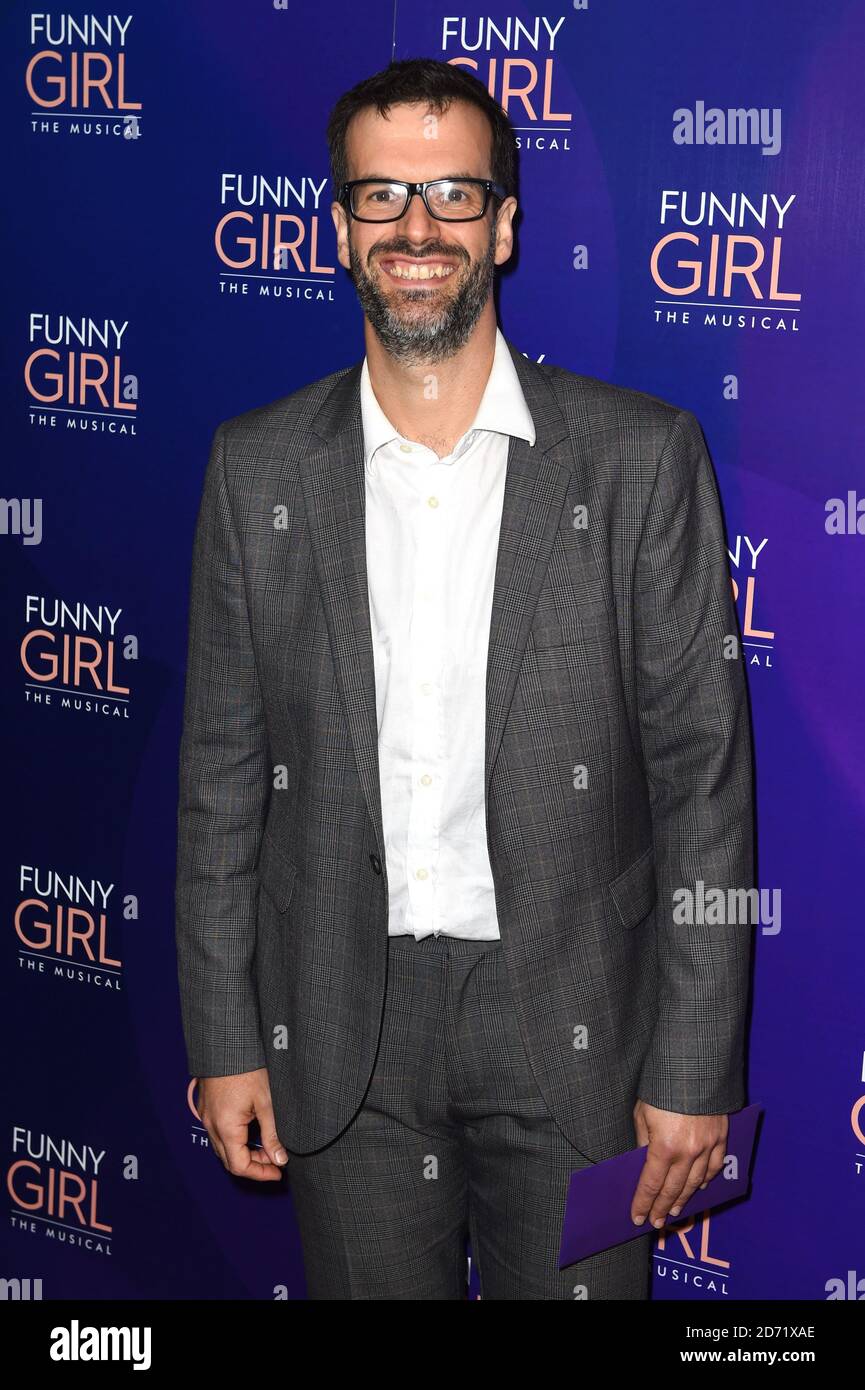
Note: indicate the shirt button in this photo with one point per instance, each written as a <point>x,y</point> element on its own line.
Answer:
<point>421,873</point>
<point>426,779</point>
<point>426,687</point>
<point>406,448</point>
<point>432,501</point>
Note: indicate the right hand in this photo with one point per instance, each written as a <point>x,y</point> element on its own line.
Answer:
<point>225,1105</point>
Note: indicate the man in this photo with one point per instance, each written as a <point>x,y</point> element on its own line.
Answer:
<point>461,703</point>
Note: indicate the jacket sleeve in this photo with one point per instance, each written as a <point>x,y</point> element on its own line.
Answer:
<point>223,792</point>
<point>696,741</point>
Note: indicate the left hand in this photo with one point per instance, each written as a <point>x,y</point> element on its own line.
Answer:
<point>685,1152</point>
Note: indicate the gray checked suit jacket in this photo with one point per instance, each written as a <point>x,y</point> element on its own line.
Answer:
<point>606,653</point>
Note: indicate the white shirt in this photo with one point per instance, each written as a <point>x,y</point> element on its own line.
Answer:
<point>432,531</point>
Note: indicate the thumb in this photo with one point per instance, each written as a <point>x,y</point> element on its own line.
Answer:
<point>270,1140</point>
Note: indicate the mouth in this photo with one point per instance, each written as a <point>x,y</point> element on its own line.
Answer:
<point>417,270</point>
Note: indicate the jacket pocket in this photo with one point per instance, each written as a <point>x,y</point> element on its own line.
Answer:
<point>276,872</point>
<point>634,891</point>
<point>586,622</point>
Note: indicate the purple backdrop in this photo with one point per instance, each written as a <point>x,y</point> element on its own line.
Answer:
<point>133,327</point>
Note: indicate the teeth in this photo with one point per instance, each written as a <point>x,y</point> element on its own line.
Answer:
<point>419,272</point>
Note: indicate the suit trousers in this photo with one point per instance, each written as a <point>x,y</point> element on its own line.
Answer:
<point>453,1140</point>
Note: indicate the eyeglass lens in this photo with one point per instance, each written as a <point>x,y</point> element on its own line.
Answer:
<point>450,199</point>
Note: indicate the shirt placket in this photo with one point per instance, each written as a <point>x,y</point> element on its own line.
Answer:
<point>429,744</point>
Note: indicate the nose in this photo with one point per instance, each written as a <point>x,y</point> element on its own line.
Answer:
<point>416,223</point>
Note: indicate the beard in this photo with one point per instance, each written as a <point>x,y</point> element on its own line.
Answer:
<point>443,325</point>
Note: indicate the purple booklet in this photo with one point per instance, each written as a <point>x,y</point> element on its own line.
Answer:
<point>598,1209</point>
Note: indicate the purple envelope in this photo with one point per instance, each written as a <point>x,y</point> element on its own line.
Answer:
<point>598,1209</point>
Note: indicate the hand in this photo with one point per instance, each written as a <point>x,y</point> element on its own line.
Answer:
<point>685,1152</point>
<point>225,1105</point>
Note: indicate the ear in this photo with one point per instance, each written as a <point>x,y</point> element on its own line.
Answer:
<point>504,230</point>
<point>340,225</point>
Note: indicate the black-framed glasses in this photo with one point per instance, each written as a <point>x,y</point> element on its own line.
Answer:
<point>448,200</point>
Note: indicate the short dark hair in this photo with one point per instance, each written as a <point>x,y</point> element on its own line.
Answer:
<point>417,80</point>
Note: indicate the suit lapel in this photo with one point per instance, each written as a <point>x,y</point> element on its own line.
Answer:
<point>334,492</point>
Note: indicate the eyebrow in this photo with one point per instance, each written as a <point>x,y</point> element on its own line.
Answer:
<point>390,178</point>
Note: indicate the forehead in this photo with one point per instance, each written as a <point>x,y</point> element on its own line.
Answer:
<point>413,142</point>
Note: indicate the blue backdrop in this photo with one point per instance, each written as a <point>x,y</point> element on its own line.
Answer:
<point>149,156</point>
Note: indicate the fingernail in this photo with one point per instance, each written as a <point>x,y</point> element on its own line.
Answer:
<point>657,1222</point>
<point>281,1156</point>
<point>638,1220</point>
<point>674,1211</point>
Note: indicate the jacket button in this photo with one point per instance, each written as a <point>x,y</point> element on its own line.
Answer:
<point>376,862</point>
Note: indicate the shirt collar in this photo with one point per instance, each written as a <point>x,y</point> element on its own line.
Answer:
<point>502,409</point>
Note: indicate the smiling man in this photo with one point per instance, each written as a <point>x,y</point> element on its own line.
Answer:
<point>465,708</point>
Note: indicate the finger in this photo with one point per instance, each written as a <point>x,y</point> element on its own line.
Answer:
<point>717,1159</point>
<point>677,1174</point>
<point>651,1180</point>
<point>270,1142</point>
<point>694,1180</point>
<point>258,1154</point>
<point>238,1158</point>
<point>242,1164</point>
<point>697,1172</point>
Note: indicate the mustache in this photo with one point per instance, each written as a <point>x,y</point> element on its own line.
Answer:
<point>413,255</point>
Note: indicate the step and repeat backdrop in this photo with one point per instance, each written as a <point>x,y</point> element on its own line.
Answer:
<point>692,198</point>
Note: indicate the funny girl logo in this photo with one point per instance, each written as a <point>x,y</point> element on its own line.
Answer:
<point>77,375</point>
<point>72,656</point>
<point>55,1188</point>
<point>857,1124</point>
<point>274,237</point>
<point>77,78</point>
<point>747,557</point>
<point>67,927</point>
<point>515,58</point>
<point>687,1261</point>
<point>718,261</point>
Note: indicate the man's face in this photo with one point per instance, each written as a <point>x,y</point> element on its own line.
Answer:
<point>427,320</point>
